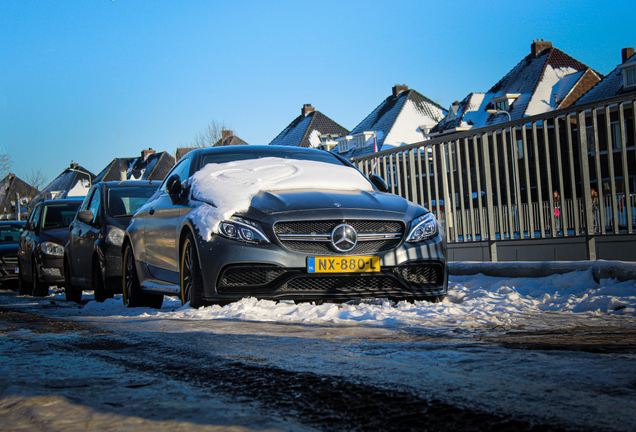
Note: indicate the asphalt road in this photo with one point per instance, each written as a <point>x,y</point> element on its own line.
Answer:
<point>61,371</point>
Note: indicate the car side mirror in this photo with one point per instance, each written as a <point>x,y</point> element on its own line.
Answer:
<point>379,183</point>
<point>173,187</point>
<point>86,216</point>
<point>30,226</point>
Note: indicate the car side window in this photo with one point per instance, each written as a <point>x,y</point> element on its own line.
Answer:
<point>182,169</point>
<point>87,200</point>
<point>94,204</point>
<point>35,216</point>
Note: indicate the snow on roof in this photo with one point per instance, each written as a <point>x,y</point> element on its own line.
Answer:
<point>230,186</point>
<point>298,132</point>
<point>610,86</point>
<point>542,99</point>
<point>387,118</point>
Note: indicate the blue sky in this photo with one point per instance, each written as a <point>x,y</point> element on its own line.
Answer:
<point>91,80</point>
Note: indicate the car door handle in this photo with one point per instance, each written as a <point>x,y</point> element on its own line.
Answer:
<point>151,211</point>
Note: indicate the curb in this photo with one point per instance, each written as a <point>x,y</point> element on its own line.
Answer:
<point>621,270</point>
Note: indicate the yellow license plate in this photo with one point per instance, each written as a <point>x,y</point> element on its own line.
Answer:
<point>360,264</point>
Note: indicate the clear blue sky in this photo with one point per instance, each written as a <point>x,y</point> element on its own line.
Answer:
<point>90,81</point>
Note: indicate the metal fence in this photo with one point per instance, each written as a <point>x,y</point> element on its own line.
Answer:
<point>568,173</point>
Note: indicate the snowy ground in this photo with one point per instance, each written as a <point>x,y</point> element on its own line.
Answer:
<point>470,352</point>
<point>474,302</point>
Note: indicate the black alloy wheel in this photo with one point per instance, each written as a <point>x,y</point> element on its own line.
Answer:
<point>23,287</point>
<point>191,282</point>
<point>133,296</point>
<point>99,287</point>
<point>71,292</point>
<point>40,289</point>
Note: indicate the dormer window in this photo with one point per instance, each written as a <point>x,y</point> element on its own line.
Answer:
<point>503,102</point>
<point>344,146</point>
<point>630,77</point>
<point>502,105</point>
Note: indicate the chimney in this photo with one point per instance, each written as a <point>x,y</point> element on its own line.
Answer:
<point>538,46</point>
<point>307,109</point>
<point>225,134</point>
<point>146,153</point>
<point>627,53</point>
<point>397,89</point>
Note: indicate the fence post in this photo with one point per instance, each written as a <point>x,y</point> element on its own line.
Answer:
<point>492,238</point>
<point>585,187</point>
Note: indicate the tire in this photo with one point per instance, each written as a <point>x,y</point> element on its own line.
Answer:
<point>23,287</point>
<point>99,288</point>
<point>133,296</point>
<point>190,274</point>
<point>71,292</point>
<point>40,289</point>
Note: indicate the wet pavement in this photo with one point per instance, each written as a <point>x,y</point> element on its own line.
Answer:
<point>114,373</point>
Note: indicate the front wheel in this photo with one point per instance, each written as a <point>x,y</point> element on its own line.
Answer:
<point>99,287</point>
<point>191,281</point>
<point>133,296</point>
<point>71,292</point>
<point>40,289</point>
<point>23,287</point>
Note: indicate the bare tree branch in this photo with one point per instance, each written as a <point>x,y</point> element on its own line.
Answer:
<point>36,178</point>
<point>5,163</point>
<point>209,136</point>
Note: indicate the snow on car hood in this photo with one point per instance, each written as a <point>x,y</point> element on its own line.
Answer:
<point>229,187</point>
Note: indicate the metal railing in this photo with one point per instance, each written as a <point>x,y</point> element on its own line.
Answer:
<point>567,173</point>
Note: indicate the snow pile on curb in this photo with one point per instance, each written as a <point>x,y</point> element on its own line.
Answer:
<point>473,302</point>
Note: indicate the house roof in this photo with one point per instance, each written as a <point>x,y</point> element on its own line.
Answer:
<point>10,188</point>
<point>610,86</point>
<point>148,166</point>
<point>530,87</point>
<point>73,181</point>
<point>305,130</point>
<point>399,116</point>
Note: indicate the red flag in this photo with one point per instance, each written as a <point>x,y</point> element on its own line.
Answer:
<point>375,144</point>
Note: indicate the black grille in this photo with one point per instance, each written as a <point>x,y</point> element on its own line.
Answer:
<point>375,284</point>
<point>11,260</point>
<point>421,275</point>
<point>252,277</point>
<point>326,227</point>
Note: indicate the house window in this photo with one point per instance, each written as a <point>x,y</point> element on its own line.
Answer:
<point>360,142</point>
<point>630,77</point>
<point>344,146</point>
<point>616,136</point>
<point>502,105</point>
<point>589,135</point>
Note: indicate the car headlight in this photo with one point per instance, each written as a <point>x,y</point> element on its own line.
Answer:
<point>53,249</point>
<point>243,230</point>
<point>422,228</point>
<point>115,236</point>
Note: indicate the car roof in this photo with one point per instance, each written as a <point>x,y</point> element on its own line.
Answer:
<point>259,149</point>
<point>129,183</point>
<point>62,201</point>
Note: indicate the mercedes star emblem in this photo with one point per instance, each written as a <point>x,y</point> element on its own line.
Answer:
<point>344,238</point>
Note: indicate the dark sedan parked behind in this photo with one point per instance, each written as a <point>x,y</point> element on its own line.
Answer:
<point>93,254</point>
<point>10,232</point>
<point>41,251</point>
<point>279,223</point>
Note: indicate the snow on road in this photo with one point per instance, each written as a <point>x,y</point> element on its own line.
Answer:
<point>473,302</point>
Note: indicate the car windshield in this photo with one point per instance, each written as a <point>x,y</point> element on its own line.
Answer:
<point>59,215</point>
<point>265,152</point>
<point>124,201</point>
<point>10,233</point>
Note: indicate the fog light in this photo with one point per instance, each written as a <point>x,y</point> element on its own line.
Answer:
<point>52,271</point>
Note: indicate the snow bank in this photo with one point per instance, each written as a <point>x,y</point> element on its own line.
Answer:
<point>230,186</point>
<point>473,302</point>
